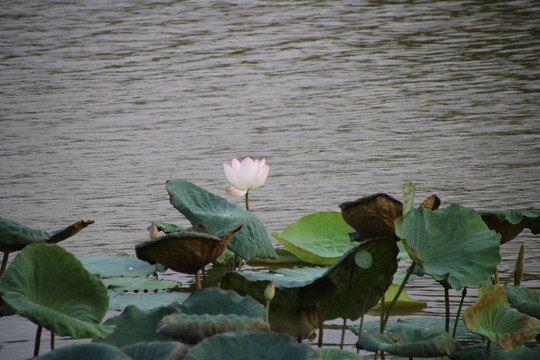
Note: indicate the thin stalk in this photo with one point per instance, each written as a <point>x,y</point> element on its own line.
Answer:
<point>267,314</point>
<point>347,305</point>
<point>4,263</point>
<point>321,322</point>
<point>38,340</point>
<point>382,323</point>
<point>447,308</point>
<point>463,294</point>
<point>52,340</point>
<point>247,201</point>
<point>487,349</point>
<point>343,333</point>
<point>360,331</point>
<point>198,286</point>
<point>401,287</point>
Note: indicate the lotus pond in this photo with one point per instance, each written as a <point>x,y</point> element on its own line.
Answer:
<point>348,284</point>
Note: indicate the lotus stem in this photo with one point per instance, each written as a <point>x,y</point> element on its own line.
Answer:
<point>321,322</point>
<point>4,263</point>
<point>38,340</point>
<point>247,201</point>
<point>487,349</point>
<point>463,294</point>
<point>401,287</point>
<point>198,286</point>
<point>382,323</point>
<point>267,314</point>
<point>360,331</point>
<point>343,333</point>
<point>52,340</point>
<point>447,310</point>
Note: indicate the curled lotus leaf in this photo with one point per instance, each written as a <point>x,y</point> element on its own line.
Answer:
<point>525,300</point>
<point>337,354</point>
<point>478,352</point>
<point>492,316</point>
<point>192,329</point>
<point>186,251</point>
<point>451,244</point>
<point>62,295</point>
<point>510,223</point>
<point>15,236</point>
<point>409,342</point>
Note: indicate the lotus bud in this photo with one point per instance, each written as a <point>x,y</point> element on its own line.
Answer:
<point>246,175</point>
<point>270,291</point>
<point>154,232</point>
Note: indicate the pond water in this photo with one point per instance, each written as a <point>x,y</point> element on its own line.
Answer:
<point>102,102</point>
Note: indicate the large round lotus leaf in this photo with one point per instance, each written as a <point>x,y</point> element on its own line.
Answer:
<point>49,286</point>
<point>170,350</point>
<point>510,223</point>
<point>451,244</point>
<point>409,342</point>
<point>192,329</point>
<point>492,316</point>
<point>214,301</point>
<point>478,352</point>
<point>336,354</point>
<point>524,299</point>
<point>134,325</point>
<point>184,251</point>
<point>249,346</point>
<point>146,301</point>
<point>343,290</point>
<point>105,266</point>
<point>202,207</point>
<point>372,216</point>
<point>320,238</point>
<point>86,352</point>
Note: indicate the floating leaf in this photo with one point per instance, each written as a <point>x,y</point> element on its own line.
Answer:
<point>186,251</point>
<point>403,301</point>
<point>409,342</point>
<point>451,244</point>
<point>510,223</point>
<point>250,345</point>
<point>143,284</point>
<point>478,352</point>
<point>372,216</point>
<point>134,325</point>
<point>320,238</point>
<point>49,286</point>
<point>192,329</point>
<point>336,354</point>
<point>145,301</point>
<point>284,256</point>
<point>167,228</point>
<point>214,301</point>
<point>106,266</point>
<point>524,300</point>
<point>202,207</point>
<point>492,316</point>
<point>85,352</point>
<point>170,350</point>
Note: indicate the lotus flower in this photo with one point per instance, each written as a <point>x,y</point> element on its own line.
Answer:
<point>246,175</point>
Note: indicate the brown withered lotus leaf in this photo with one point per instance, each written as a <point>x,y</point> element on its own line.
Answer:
<point>509,224</point>
<point>186,251</point>
<point>372,216</point>
<point>432,203</point>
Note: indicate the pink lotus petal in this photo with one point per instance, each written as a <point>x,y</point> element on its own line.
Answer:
<point>235,192</point>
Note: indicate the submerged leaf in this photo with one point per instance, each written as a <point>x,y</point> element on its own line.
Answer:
<point>192,329</point>
<point>142,284</point>
<point>409,342</point>
<point>337,354</point>
<point>49,286</point>
<point>451,244</point>
<point>524,299</point>
<point>319,238</point>
<point>202,207</point>
<point>106,266</point>
<point>510,223</point>
<point>492,316</point>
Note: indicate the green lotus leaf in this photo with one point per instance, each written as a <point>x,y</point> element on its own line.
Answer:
<point>214,301</point>
<point>343,290</point>
<point>192,329</point>
<point>170,350</point>
<point>452,244</point>
<point>478,352</point>
<point>86,352</point>
<point>202,207</point>
<point>372,216</point>
<point>167,228</point>
<point>143,284</point>
<point>144,301</point>
<point>492,316</point>
<point>510,223</point>
<point>106,266</point>
<point>186,251</point>
<point>403,301</point>
<point>284,257</point>
<point>15,236</point>
<point>336,354</point>
<point>134,325</point>
<point>48,285</point>
<point>409,342</point>
<point>250,345</point>
<point>320,238</point>
<point>524,299</point>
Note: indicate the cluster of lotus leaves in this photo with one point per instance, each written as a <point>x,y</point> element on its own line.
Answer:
<point>347,289</point>
<point>202,207</point>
